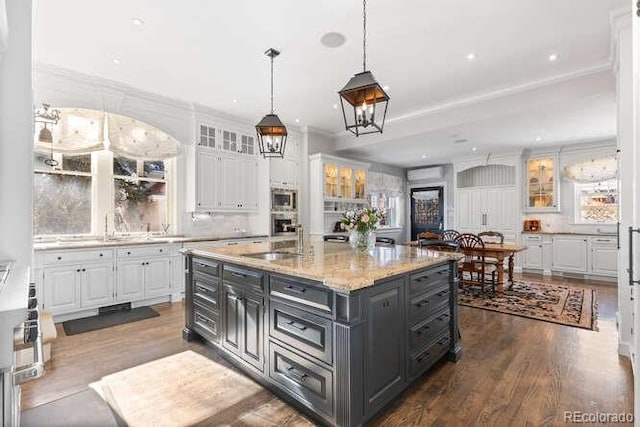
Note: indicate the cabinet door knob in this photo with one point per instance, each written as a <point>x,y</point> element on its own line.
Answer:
<point>78,270</point>
<point>101,255</point>
<point>59,258</point>
<point>128,253</point>
<point>84,269</point>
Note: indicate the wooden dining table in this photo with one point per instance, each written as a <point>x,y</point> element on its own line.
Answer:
<point>499,251</point>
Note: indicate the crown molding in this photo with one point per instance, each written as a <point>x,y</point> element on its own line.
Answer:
<point>513,90</point>
<point>620,20</point>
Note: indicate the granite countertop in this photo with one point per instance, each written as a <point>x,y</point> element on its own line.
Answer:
<point>86,244</point>
<point>570,233</point>
<point>336,265</point>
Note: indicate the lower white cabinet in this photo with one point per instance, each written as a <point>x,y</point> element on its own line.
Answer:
<point>604,256</point>
<point>97,287</point>
<point>570,253</point>
<point>157,273</point>
<point>62,289</point>
<point>130,283</point>
<point>584,254</point>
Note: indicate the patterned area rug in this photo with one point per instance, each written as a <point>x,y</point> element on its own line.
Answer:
<point>561,304</point>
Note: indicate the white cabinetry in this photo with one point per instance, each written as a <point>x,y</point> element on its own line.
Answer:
<point>97,287</point>
<point>226,182</point>
<point>604,256</point>
<point>570,253</point>
<point>533,257</point>
<point>283,173</point>
<point>130,281</point>
<point>62,289</point>
<point>488,208</point>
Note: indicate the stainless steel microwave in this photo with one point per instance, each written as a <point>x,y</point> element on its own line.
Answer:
<point>284,200</point>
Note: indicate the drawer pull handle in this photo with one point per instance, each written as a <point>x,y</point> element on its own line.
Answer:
<point>240,275</point>
<point>442,293</point>
<point>443,341</point>
<point>232,243</point>
<point>301,328</point>
<point>296,289</point>
<point>421,330</point>
<point>294,373</point>
<point>422,357</point>
<point>423,303</point>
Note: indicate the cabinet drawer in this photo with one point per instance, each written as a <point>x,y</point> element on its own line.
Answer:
<point>309,382</point>
<point>74,257</point>
<point>206,323</point>
<point>424,359</point>
<point>206,266</point>
<point>425,280</point>
<point>298,292</point>
<point>301,330</point>
<point>604,241</point>
<point>428,329</point>
<point>143,251</point>
<point>529,238</point>
<point>427,304</point>
<point>207,293</point>
<point>242,276</point>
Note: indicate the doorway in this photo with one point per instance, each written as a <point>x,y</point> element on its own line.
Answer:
<point>427,210</point>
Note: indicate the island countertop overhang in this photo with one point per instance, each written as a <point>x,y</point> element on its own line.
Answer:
<point>335,265</point>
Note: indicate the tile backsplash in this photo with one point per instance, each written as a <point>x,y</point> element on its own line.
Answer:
<point>217,224</point>
<point>559,222</point>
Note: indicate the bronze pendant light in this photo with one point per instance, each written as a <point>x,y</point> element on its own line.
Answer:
<point>47,116</point>
<point>272,134</point>
<point>364,102</point>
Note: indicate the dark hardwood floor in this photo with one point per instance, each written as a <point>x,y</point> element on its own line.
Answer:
<point>514,371</point>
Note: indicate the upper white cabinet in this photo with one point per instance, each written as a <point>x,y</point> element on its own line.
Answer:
<point>228,140</point>
<point>541,184</point>
<point>283,173</point>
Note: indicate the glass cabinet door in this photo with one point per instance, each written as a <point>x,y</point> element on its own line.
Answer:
<point>541,184</point>
<point>346,182</point>
<point>330,180</point>
<point>361,177</point>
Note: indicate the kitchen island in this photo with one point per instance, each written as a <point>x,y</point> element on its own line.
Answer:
<point>336,333</point>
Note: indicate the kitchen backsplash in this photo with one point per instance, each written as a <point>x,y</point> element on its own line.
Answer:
<point>558,222</point>
<point>216,224</point>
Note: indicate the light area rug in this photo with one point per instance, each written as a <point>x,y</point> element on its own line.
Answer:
<point>566,305</point>
<point>187,389</point>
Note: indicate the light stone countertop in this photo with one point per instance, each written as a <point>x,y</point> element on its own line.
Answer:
<point>336,265</point>
<point>97,243</point>
<point>569,233</point>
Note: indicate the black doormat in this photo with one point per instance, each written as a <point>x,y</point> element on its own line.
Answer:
<point>101,321</point>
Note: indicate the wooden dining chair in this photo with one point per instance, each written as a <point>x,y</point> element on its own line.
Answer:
<point>439,245</point>
<point>491,237</point>
<point>428,235</point>
<point>473,263</point>
<point>450,235</point>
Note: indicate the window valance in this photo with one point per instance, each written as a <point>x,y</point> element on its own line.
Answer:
<point>593,170</point>
<point>82,131</point>
<point>384,183</point>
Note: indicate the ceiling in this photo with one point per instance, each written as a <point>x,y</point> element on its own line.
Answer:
<point>211,53</point>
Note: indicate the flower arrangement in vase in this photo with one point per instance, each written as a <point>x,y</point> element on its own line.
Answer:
<point>361,224</point>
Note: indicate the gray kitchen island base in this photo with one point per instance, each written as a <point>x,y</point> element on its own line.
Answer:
<point>339,356</point>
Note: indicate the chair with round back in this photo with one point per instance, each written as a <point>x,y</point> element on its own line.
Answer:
<point>491,237</point>
<point>474,262</point>
<point>449,235</point>
<point>439,245</point>
<point>428,235</point>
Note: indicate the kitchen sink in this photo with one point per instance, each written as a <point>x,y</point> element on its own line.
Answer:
<point>272,256</point>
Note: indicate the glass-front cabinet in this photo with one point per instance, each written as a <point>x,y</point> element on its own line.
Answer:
<point>360,180</point>
<point>346,182</point>
<point>541,184</point>
<point>330,180</point>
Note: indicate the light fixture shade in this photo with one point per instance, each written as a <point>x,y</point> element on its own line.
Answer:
<point>272,136</point>
<point>364,104</point>
<point>45,135</point>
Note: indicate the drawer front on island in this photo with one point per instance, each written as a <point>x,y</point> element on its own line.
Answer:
<point>242,276</point>
<point>425,280</point>
<point>208,267</point>
<point>302,330</point>
<point>206,323</point>
<point>301,292</point>
<point>308,381</point>
<point>428,329</point>
<point>206,292</point>
<point>428,303</point>
<point>424,359</point>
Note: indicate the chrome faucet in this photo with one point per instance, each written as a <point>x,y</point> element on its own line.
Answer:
<point>300,238</point>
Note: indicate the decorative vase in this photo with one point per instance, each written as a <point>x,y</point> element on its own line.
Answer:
<point>362,241</point>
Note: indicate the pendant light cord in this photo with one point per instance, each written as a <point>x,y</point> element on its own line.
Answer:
<point>271,84</point>
<point>364,35</point>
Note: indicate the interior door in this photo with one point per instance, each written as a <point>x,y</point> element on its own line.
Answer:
<point>427,210</point>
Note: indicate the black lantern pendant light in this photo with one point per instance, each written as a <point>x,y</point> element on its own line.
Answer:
<point>364,102</point>
<point>272,134</point>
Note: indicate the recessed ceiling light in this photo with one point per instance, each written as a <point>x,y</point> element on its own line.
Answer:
<point>538,139</point>
<point>386,87</point>
<point>474,149</point>
<point>332,39</point>
<point>116,61</point>
<point>471,56</point>
<point>297,120</point>
<point>335,106</point>
<point>460,141</point>
<point>235,100</point>
<point>138,22</point>
<point>553,57</point>
<point>424,156</point>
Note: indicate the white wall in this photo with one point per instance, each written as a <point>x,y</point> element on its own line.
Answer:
<point>16,137</point>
